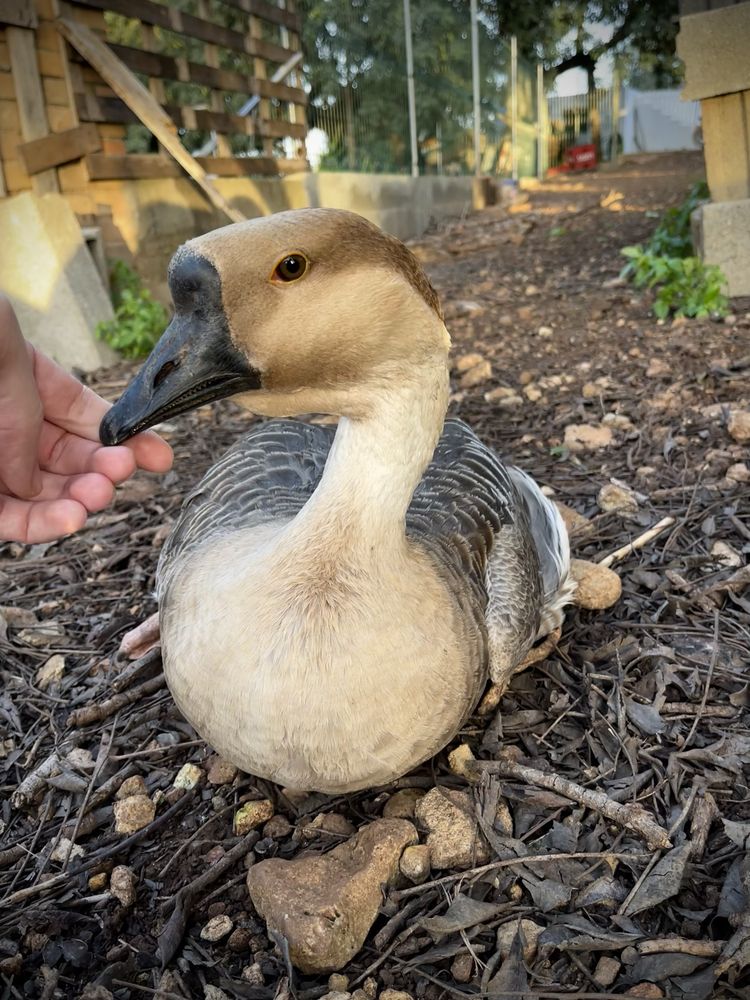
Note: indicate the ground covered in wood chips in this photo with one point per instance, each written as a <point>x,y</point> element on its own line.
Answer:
<point>629,422</point>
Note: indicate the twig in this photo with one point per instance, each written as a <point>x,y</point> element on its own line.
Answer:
<point>172,932</point>
<point>98,712</point>
<point>136,667</point>
<point>101,760</point>
<point>36,780</point>
<point>98,856</point>
<point>637,543</point>
<point>631,816</point>
<point>524,859</point>
<point>709,675</point>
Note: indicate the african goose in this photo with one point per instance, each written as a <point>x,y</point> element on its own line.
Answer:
<point>332,603</point>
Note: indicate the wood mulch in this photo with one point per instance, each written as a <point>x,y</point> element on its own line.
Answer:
<point>645,705</point>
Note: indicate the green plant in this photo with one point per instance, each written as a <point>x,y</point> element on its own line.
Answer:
<point>139,319</point>
<point>685,286</point>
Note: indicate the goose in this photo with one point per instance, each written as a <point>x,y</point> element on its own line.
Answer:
<point>334,600</point>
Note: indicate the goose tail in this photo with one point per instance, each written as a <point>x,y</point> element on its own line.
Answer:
<point>553,550</point>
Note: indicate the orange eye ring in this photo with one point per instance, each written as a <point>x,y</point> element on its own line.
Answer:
<point>291,267</point>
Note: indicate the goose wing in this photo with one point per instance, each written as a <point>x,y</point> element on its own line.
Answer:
<point>269,474</point>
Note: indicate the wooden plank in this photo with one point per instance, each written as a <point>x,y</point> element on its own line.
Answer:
<point>19,13</point>
<point>30,98</point>
<point>3,189</point>
<point>111,109</point>
<point>156,64</point>
<point>211,58</point>
<point>150,165</point>
<point>267,11</point>
<point>161,16</point>
<point>62,147</point>
<point>135,95</point>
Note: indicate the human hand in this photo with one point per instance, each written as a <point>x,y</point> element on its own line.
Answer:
<point>54,471</point>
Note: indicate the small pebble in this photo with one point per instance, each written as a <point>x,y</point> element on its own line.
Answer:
<point>213,993</point>
<point>395,995</point>
<point>415,863</point>
<point>530,931</point>
<point>338,983</point>
<point>332,823</point>
<point>252,815</point>
<point>64,849</point>
<point>462,968</point>
<point>132,786</point>
<point>606,970</point>
<point>253,974</point>
<point>221,771</point>
<point>133,813</point>
<point>370,985</point>
<point>188,777</point>
<point>239,940</point>
<point>122,885</point>
<point>401,804</point>
<point>217,928</point>
<point>98,882</point>
<point>277,827</point>
<point>459,759</point>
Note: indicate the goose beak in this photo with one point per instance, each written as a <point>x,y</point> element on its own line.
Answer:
<point>193,363</point>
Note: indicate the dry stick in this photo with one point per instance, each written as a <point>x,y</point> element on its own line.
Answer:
<point>106,852</point>
<point>101,761</point>
<point>97,713</point>
<point>631,816</point>
<point>709,675</point>
<point>637,543</point>
<point>524,859</point>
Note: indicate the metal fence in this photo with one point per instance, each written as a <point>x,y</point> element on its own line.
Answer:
<point>356,63</point>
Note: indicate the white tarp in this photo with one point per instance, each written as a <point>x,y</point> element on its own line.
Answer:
<point>658,121</point>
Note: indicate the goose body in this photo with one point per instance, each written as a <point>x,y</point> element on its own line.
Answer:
<point>333,602</point>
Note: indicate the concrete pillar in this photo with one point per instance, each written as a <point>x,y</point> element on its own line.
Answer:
<point>714,45</point>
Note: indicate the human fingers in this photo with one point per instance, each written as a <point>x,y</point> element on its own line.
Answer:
<point>76,408</point>
<point>68,454</point>
<point>33,521</point>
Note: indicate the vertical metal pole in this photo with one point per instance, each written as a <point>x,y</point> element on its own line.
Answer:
<point>514,107</point>
<point>410,90</point>
<point>475,88</point>
<point>540,121</point>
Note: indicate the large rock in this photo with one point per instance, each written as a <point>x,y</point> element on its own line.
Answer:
<point>48,273</point>
<point>324,905</point>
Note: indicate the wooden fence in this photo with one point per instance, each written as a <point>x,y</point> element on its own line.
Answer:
<point>221,70</point>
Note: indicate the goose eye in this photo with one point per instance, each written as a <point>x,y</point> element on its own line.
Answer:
<point>290,268</point>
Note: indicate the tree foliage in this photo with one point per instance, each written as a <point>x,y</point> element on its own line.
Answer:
<point>572,34</point>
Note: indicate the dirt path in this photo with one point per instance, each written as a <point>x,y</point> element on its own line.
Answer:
<point>646,703</point>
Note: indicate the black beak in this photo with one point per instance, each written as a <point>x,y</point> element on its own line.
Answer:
<point>194,362</point>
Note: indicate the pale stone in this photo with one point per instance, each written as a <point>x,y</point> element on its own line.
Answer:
<point>401,804</point>
<point>221,772</point>
<point>122,885</point>
<point>64,848</point>
<point>532,392</point>
<point>217,928</point>
<point>575,523</point>
<point>738,426</point>
<point>50,673</point>
<point>324,905</point>
<point>476,375</point>
<point>133,813</point>
<point>606,970</point>
<point>598,587</point>
<point>466,361</point>
<point>415,863</point>
<point>134,785</point>
<point>188,776</point>
<point>587,437</point>
<point>460,760</point>
<point>338,983</point>
<point>612,497</point>
<point>530,931</point>
<point>252,815</point>
<point>453,836</point>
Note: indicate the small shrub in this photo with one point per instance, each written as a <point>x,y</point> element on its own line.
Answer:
<point>685,286</point>
<point>139,319</point>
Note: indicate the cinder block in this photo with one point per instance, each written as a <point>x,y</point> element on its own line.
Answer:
<point>721,234</point>
<point>51,279</point>
<point>714,47</point>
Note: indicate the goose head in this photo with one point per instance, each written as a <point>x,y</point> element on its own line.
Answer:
<point>315,310</point>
